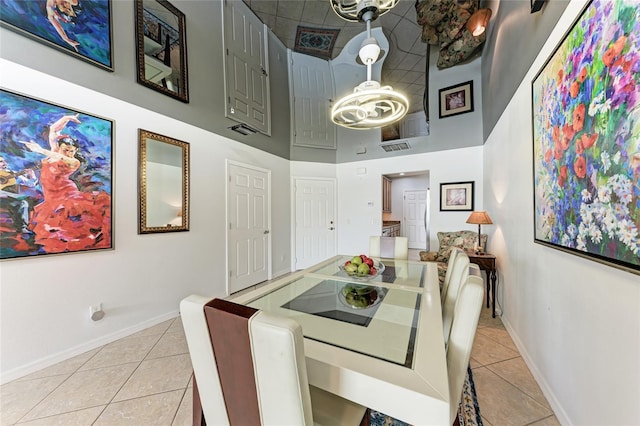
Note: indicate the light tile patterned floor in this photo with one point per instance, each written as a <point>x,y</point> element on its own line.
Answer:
<point>145,379</point>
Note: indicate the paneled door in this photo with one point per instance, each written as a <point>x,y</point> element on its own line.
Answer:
<point>312,92</point>
<point>248,208</point>
<point>415,223</point>
<point>246,67</point>
<point>315,221</point>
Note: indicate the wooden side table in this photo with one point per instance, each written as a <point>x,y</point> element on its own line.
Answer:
<point>487,263</point>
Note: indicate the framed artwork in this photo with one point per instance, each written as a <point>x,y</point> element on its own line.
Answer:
<point>81,28</point>
<point>456,99</point>
<point>586,127</point>
<point>56,175</point>
<point>456,196</point>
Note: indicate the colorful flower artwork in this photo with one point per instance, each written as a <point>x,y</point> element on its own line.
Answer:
<point>586,126</point>
<point>56,179</point>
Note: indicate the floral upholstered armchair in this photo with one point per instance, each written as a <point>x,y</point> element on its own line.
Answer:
<point>466,240</point>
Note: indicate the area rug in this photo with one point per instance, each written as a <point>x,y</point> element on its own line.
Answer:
<point>468,410</point>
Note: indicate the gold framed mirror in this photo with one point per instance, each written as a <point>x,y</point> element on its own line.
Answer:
<point>162,48</point>
<point>163,183</point>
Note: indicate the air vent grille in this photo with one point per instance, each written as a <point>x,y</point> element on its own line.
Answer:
<point>395,146</point>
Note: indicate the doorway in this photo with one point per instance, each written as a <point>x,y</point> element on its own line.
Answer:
<point>315,221</point>
<point>249,224</point>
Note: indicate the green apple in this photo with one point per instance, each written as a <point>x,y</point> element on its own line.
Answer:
<point>363,269</point>
<point>351,269</point>
<point>356,260</point>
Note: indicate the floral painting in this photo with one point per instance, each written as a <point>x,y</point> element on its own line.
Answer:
<point>586,125</point>
<point>79,27</point>
<point>55,179</point>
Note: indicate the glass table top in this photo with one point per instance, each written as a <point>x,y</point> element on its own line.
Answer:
<point>398,272</point>
<point>368,318</point>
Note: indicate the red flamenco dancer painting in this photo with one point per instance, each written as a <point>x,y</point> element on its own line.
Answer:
<point>55,179</point>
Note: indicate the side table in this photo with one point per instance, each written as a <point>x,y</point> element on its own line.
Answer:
<point>487,263</point>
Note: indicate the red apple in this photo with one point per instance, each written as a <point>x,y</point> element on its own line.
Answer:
<point>347,262</point>
<point>373,270</point>
<point>368,261</point>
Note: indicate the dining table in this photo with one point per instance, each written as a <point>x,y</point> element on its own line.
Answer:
<point>375,339</point>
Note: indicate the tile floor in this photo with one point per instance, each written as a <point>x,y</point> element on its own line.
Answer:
<point>145,379</point>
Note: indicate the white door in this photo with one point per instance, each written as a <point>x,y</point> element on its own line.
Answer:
<point>312,93</point>
<point>315,221</point>
<point>248,207</point>
<point>246,66</point>
<point>414,211</point>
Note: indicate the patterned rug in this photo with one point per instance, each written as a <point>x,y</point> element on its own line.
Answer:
<point>468,410</point>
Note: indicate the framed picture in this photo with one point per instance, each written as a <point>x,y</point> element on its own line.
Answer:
<point>456,99</point>
<point>586,158</point>
<point>456,196</point>
<point>56,175</point>
<point>80,28</point>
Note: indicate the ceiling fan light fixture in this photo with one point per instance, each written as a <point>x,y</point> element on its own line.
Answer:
<point>370,106</point>
<point>354,10</point>
<point>478,22</point>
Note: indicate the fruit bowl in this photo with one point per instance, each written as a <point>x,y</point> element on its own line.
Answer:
<point>362,276</point>
<point>359,296</point>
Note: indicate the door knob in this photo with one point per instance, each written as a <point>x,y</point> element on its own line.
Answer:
<point>331,228</point>
<point>266,232</point>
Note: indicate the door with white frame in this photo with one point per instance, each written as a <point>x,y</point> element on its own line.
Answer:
<point>315,220</point>
<point>249,224</point>
<point>415,217</point>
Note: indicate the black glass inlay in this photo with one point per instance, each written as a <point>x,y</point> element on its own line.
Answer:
<point>325,299</point>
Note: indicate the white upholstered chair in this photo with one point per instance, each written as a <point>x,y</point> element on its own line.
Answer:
<point>463,331</point>
<point>389,247</point>
<point>459,275</point>
<point>250,369</point>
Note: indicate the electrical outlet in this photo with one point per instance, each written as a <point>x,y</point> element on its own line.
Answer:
<point>95,312</point>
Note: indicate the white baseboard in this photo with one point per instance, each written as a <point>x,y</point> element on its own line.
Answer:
<point>280,273</point>
<point>50,360</point>
<point>560,413</point>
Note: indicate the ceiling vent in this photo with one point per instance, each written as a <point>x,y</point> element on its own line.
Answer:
<point>395,146</point>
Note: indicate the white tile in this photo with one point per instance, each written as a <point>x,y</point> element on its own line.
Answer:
<point>157,375</point>
<point>83,389</point>
<point>156,410</point>
<point>19,397</point>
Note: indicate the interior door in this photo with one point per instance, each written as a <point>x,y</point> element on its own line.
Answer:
<point>414,211</point>
<point>315,221</point>
<point>312,93</point>
<point>246,67</point>
<point>249,242</point>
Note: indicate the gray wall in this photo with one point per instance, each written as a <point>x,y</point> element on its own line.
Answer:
<point>206,83</point>
<point>513,42</point>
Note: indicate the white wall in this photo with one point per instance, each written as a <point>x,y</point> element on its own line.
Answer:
<point>45,300</point>
<point>357,220</point>
<point>575,321</point>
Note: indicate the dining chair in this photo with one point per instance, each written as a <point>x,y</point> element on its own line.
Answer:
<point>389,247</point>
<point>463,331</point>
<point>250,369</point>
<point>459,276</point>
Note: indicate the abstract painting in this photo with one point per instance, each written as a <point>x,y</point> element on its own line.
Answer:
<point>55,178</point>
<point>81,28</point>
<point>586,132</point>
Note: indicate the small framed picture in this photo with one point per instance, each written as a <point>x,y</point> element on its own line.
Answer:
<point>456,99</point>
<point>456,196</point>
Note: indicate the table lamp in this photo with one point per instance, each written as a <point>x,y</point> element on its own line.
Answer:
<point>480,218</point>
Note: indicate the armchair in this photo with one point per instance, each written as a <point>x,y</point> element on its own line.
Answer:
<point>466,240</point>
